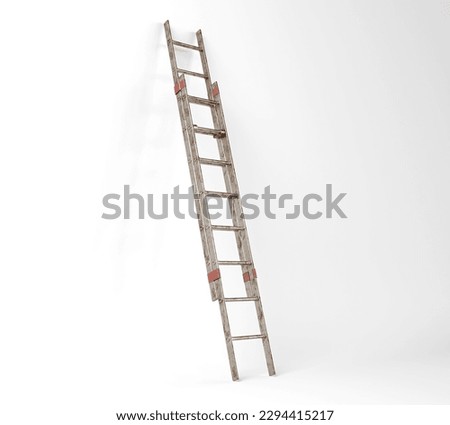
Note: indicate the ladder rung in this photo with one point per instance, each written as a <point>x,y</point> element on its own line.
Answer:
<point>209,131</point>
<point>194,74</point>
<point>201,101</point>
<point>219,162</point>
<point>229,228</point>
<point>187,46</point>
<point>240,338</point>
<point>220,194</point>
<point>236,299</point>
<point>234,263</point>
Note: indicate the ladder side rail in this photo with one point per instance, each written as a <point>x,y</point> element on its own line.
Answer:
<point>200,200</point>
<point>194,170</point>
<point>196,180</point>
<point>242,239</point>
<point>219,287</point>
<point>229,172</point>
<point>172,56</point>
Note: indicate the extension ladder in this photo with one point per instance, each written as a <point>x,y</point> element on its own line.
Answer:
<point>201,196</point>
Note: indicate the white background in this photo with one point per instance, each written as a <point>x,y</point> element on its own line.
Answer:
<point>101,316</point>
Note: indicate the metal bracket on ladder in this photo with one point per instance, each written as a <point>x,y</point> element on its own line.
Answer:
<point>207,229</point>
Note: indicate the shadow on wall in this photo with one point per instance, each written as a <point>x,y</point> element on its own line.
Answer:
<point>148,128</point>
<point>143,132</point>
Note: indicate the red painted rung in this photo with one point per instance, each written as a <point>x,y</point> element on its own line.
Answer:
<point>213,275</point>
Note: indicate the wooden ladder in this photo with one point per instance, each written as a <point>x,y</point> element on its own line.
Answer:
<point>201,195</point>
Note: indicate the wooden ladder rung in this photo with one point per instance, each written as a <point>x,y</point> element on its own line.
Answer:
<point>243,337</point>
<point>186,45</point>
<point>234,263</point>
<point>209,131</point>
<point>218,162</point>
<point>220,194</point>
<point>194,74</point>
<point>238,299</point>
<point>227,228</point>
<point>202,101</point>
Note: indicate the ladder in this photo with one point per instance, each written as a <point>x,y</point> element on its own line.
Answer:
<point>201,196</point>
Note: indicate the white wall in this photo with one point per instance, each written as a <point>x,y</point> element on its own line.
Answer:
<point>115,315</point>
